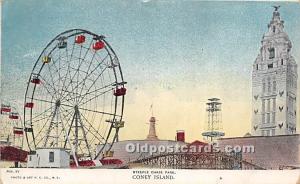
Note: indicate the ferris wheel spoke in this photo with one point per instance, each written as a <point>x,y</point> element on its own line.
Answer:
<point>51,52</point>
<point>93,83</point>
<point>68,72</point>
<point>81,61</point>
<point>88,91</point>
<point>55,91</point>
<point>68,130</point>
<point>92,127</point>
<point>77,71</point>
<point>78,68</point>
<point>96,96</point>
<point>45,84</point>
<point>47,101</point>
<point>87,74</point>
<point>42,100</point>
<point>97,90</point>
<point>40,131</point>
<point>55,121</point>
<point>58,72</point>
<point>41,119</point>
<point>65,76</point>
<point>91,72</point>
<point>72,97</point>
<point>100,112</point>
<point>66,124</point>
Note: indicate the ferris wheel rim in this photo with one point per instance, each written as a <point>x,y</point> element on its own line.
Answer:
<point>109,49</point>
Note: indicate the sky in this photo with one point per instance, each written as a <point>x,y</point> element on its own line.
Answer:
<point>174,54</point>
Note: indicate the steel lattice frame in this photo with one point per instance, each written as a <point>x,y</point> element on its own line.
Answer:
<point>74,99</point>
<point>195,161</point>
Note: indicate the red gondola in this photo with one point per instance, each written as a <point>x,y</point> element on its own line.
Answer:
<point>80,39</point>
<point>13,115</point>
<point>5,108</point>
<point>120,91</point>
<point>35,80</point>
<point>29,105</point>
<point>98,45</point>
<point>18,131</point>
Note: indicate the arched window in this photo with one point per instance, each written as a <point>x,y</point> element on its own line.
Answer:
<point>271,53</point>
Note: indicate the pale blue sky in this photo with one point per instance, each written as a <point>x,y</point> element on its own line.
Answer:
<point>162,45</point>
<point>153,40</point>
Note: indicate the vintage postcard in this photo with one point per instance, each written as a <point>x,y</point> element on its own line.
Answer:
<point>149,91</point>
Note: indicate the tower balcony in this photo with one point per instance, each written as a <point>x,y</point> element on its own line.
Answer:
<point>267,95</point>
<point>267,125</point>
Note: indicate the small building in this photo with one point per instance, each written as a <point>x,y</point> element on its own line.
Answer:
<point>49,158</point>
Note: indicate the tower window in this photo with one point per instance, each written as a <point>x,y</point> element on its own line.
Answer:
<point>281,61</point>
<point>256,66</point>
<point>274,29</point>
<point>274,85</point>
<point>270,66</point>
<point>268,117</point>
<point>271,53</point>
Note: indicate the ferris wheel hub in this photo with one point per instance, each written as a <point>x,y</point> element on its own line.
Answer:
<point>57,103</point>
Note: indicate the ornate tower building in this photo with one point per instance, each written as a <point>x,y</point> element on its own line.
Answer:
<point>274,83</point>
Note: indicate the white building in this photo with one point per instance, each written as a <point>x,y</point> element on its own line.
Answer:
<point>49,158</point>
<point>274,83</point>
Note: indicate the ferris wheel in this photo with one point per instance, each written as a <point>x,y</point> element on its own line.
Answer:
<point>11,129</point>
<point>75,95</point>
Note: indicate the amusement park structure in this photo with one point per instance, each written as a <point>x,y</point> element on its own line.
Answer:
<point>195,161</point>
<point>214,120</point>
<point>73,112</point>
<point>74,100</point>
